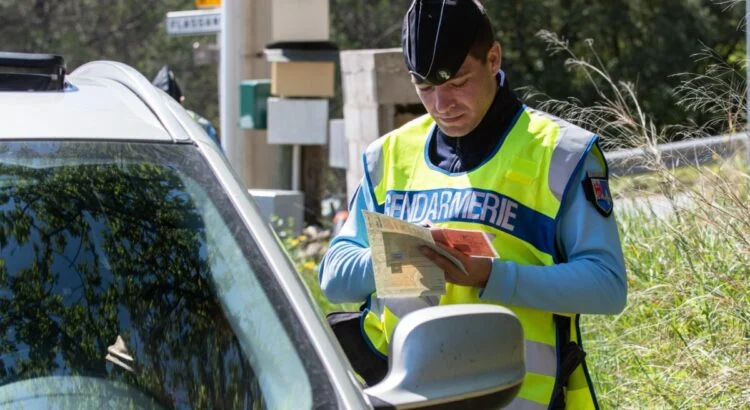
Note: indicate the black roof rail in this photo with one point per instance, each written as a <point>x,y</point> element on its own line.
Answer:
<point>31,72</point>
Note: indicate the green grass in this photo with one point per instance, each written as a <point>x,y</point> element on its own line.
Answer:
<point>683,341</point>
<point>307,253</point>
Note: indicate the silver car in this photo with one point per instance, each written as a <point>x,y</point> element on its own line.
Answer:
<point>137,272</point>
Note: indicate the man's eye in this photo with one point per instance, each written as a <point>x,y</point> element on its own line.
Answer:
<point>460,84</point>
<point>425,88</point>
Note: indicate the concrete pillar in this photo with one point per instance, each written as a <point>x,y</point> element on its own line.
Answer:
<point>375,82</point>
<point>259,164</point>
<point>268,164</point>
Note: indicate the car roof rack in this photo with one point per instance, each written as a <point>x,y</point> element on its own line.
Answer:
<point>31,72</point>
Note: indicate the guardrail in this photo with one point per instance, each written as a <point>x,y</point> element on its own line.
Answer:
<point>692,152</point>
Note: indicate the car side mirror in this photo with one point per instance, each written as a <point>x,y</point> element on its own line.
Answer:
<point>453,356</point>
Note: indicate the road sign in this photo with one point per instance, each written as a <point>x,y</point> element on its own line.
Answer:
<point>193,22</point>
<point>207,4</point>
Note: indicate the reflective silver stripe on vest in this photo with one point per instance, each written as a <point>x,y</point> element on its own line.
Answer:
<point>572,146</point>
<point>376,307</point>
<point>373,158</point>
<point>524,404</point>
<point>541,358</point>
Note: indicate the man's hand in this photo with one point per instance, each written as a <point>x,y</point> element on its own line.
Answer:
<point>478,268</point>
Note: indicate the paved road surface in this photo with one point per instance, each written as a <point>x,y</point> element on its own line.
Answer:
<point>659,205</point>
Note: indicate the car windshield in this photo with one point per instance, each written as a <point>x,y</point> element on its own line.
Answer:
<point>127,274</point>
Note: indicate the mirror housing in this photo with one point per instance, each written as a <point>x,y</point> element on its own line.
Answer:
<point>453,356</point>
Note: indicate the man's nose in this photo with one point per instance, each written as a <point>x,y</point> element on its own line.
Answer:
<point>444,100</point>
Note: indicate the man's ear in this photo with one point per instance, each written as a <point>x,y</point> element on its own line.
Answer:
<point>495,56</point>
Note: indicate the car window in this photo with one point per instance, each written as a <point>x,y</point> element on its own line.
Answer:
<point>126,264</point>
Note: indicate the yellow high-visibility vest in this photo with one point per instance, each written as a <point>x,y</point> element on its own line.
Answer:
<point>515,196</point>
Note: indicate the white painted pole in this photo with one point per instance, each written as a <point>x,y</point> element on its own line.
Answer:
<point>229,78</point>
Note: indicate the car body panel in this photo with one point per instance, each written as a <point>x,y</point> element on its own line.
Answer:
<point>152,97</point>
<point>109,101</point>
<point>95,109</point>
<point>322,337</point>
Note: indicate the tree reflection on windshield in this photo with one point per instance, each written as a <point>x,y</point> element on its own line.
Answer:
<point>92,252</point>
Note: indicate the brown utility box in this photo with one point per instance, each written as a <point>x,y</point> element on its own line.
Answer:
<point>302,78</point>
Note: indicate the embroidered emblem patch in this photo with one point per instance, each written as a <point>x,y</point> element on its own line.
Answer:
<point>597,191</point>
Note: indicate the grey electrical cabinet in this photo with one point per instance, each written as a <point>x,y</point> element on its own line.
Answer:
<point>297,121</point>
<point>282,208</point>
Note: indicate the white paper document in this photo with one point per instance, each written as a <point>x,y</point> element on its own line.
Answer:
<point>400,268</point>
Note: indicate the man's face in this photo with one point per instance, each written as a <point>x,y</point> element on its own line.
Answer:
<point>459,104</point>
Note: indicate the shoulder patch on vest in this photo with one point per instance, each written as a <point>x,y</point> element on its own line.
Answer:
<point>596,188</point>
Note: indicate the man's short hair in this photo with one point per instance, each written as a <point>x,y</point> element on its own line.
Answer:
<point>483,40</point>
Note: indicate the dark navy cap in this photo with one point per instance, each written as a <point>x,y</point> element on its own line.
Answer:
<point>437,35</point>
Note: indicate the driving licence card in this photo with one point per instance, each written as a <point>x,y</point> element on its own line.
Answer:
<point>474,243</point>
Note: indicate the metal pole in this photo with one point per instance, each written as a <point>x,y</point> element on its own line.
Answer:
<point>229,69</point>
<point>296,166</point>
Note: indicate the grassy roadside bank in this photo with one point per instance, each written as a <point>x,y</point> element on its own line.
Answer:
<point>683,340</point>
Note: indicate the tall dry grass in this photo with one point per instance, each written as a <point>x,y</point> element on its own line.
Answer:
<point>683,341</point>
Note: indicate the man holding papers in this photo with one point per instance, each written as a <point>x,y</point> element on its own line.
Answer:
<point>481,169</point>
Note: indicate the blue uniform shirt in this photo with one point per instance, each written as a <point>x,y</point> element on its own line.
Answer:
<point>591,280</point>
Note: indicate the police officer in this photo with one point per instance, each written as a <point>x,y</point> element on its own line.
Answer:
<point>482,160</point>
